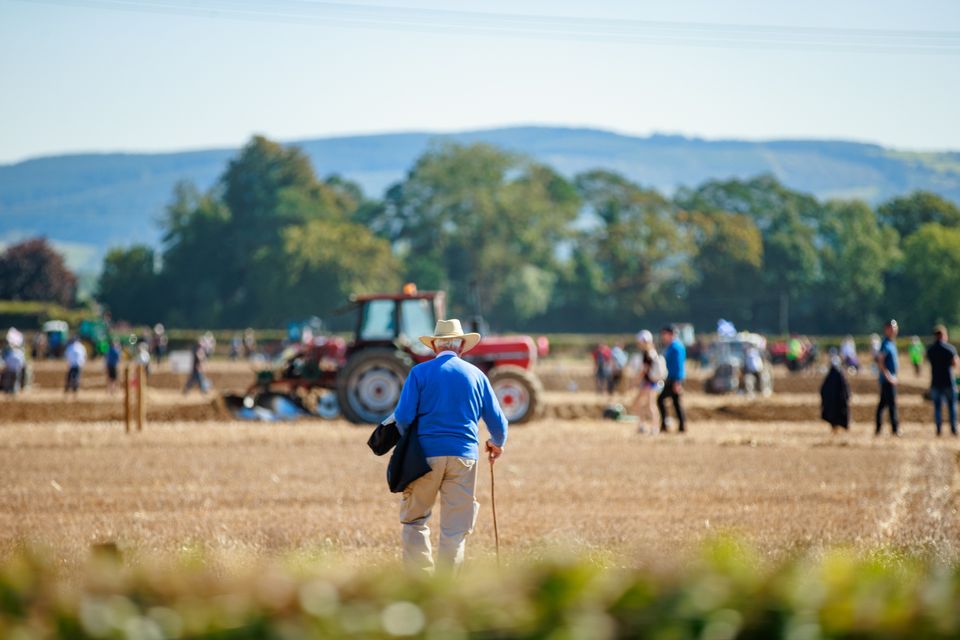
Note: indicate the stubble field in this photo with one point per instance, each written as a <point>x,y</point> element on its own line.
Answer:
<point>763,469</point>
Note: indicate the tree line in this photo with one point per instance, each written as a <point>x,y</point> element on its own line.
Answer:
<point>271,242</point>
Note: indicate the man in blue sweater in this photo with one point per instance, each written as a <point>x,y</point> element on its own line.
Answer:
<point>676,356</point>
<point>446,397</point>
<point>889,364</point>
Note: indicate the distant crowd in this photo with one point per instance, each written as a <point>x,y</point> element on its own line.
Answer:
<point>660,378</point>
<point>147,350</point>
<point>657,380</point>
<point>944,366</point>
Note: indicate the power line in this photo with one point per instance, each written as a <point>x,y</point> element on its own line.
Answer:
<point>444,21</point>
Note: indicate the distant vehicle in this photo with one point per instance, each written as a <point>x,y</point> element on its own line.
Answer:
<point>363,377</point>
<point>727,361</point>
<point>56,332</point>
<point>95,335</point>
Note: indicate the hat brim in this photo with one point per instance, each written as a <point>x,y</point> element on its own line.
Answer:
<point>470,340</point>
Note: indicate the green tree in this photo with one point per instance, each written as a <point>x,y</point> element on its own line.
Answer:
<point>856,253</point>
<point>634,240</point>
<point>33,270</point>
<point>788,222</point>
<point>727,260</point>
<point>128,284</point>
<point>908,213</point>
<point>932,267</point>
<point>326,262</point>
<point>265,188</point>
<point>193,282</point>
<point>230,256</point>
<point>475,213</point>
<point>256,178</point>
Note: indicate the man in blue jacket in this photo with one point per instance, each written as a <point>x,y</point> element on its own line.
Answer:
<point>888,363</point>
<point>676,356</point>
<point>446,397</point>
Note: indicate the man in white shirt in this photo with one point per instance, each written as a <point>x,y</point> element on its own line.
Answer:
<point>76,355</point>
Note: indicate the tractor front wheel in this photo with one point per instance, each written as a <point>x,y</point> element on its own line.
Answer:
<point>519,392</point>
<point>369,385</point>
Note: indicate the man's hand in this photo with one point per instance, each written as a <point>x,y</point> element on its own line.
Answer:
<point>678,388</point>
<point>493,451</point>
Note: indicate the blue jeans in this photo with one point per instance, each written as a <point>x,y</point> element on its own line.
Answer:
<point>949,396</point>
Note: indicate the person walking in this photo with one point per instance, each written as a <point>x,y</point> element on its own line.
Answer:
<point>603,363</point>
<point>944,364</point>
<point>848,354</point>
<point>76,355</point>
<point>446,397</point>
<point>14,362</point>
<point>916,352</point>
<point>675,355</point>
<point>197,377</point>
<point>888,364</point>
<point>651,377</point>
<point>752,371</point>
<point>112,361</point>
<point>143,357</point>
<point>159,342</point>
<point>835,396</point>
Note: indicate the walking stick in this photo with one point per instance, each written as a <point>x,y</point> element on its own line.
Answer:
<point>493,503</point>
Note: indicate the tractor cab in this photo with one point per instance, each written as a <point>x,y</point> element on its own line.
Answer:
<point>398,320</point>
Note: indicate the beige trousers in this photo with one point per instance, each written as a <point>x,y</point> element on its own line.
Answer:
<point>455,479</point>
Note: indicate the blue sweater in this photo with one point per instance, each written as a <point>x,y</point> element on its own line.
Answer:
<point>888,351</point>
<point>676,355</point>
<point>447,397</point>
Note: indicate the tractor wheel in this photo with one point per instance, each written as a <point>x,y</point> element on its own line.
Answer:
<point>519,392</point>
<point>368,387</point>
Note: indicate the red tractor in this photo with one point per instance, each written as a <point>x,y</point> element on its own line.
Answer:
<point>366,374</point>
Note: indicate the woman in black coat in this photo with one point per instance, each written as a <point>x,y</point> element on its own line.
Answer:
<point>835,397</point>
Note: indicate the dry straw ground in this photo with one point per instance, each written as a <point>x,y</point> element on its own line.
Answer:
<point>777,477</point>
<point>592,485</point>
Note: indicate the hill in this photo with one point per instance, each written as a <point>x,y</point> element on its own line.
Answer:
<point>87,203</point>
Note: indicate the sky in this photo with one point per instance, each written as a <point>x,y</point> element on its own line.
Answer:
<point>165,75</point>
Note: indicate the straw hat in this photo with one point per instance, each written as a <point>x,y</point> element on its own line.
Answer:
<point>451,329</point>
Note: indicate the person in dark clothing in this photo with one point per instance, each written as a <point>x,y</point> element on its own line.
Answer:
<point>113,363</point>
<point>944,364</point>
<point>835,397</point>
<point>675,355</point>
<point>888,363</point>
<point>603,362</point>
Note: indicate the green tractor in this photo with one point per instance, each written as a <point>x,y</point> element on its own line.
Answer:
<point>96,336</point>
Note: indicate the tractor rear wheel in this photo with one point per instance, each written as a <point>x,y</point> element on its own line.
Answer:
<point>519,392</point>
<point>368,387</point>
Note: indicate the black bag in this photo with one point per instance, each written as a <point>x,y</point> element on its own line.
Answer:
<point>384,437</point>
<point>407,462</point>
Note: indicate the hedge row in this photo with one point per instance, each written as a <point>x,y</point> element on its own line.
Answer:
<point>726,594</point>
<point>29,315</point>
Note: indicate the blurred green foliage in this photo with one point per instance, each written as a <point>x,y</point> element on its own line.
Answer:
<point>724,593</point>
